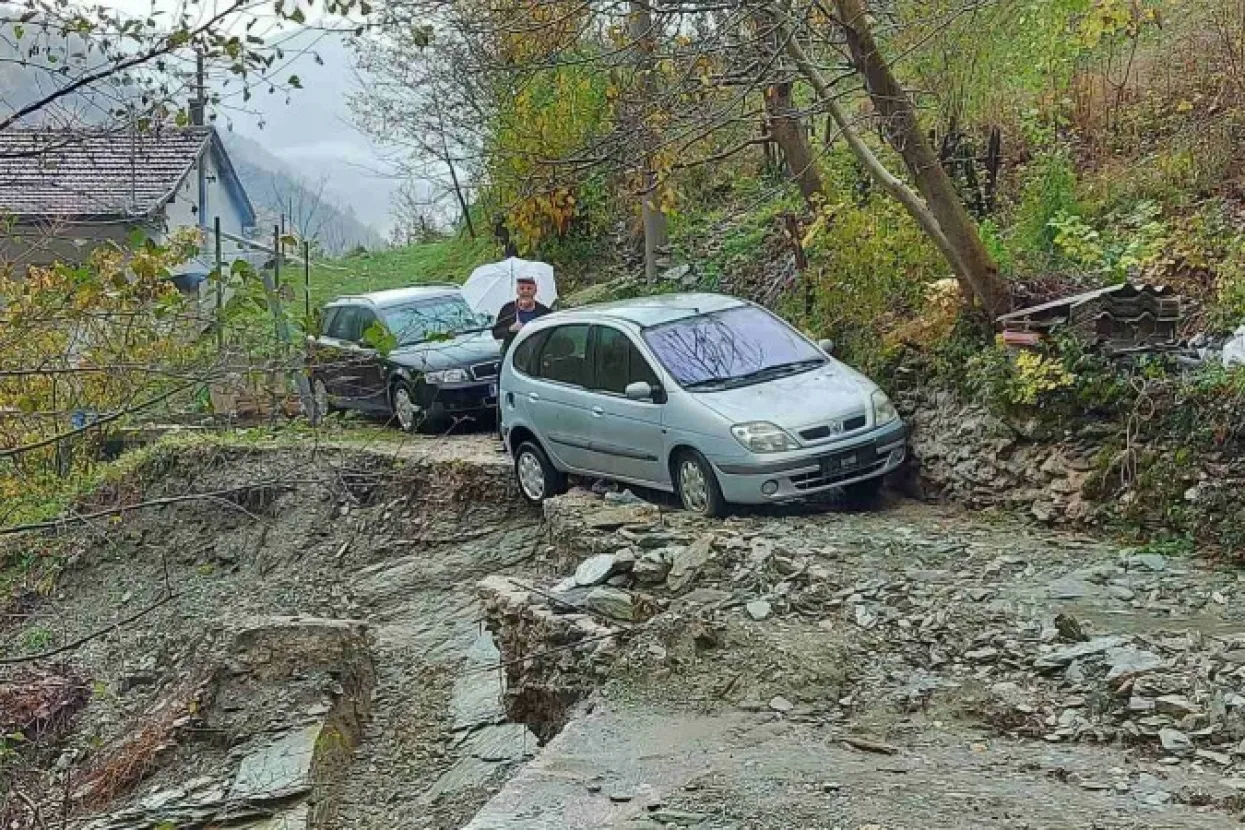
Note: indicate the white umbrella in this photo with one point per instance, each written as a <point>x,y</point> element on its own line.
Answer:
<point>491,286</point>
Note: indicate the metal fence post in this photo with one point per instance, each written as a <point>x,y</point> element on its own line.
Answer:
<point>220,290</point>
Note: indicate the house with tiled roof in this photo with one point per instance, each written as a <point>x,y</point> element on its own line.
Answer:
<point>63,192</point>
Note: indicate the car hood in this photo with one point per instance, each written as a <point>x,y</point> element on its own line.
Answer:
<point>797,401</point>
<point>461,351</point>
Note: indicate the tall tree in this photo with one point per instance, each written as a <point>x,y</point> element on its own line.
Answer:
<point>643,41</point>
<point>901,126</point>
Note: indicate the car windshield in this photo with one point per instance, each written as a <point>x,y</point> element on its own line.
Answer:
<point>428,319</point>
<point>730,348</point>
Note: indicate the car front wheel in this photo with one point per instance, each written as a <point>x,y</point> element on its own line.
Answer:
<point>409,414</point>
<point>538,478</point>
<point>698,486</point>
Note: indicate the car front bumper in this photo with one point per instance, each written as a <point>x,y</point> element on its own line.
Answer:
<point>761,480</point>
<point>462,398</point>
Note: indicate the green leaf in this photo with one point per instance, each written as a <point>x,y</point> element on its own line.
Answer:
<point>297,16</point>
<point>19,31</point>
<point>182,118</point>
<point>365,8</point>
<point>296,82</point>
<point>379,338</point>
<point>136,238</point>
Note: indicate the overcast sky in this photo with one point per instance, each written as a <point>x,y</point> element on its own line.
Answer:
<point>312,132</point>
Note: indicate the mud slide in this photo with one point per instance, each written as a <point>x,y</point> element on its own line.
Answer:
<point>296,646</point>
<point>298,637</point>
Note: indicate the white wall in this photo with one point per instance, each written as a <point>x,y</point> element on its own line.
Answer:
<point>183,211</point>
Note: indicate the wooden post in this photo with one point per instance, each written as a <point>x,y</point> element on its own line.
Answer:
<point>307,282</point>
<point>220,290</point>
<point>283,327</point>
<point>801,261</point>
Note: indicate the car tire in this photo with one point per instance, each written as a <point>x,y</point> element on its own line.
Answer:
<point>537,477</point>
<point>320,398</point>
<point>407,412</point>
<point>864,494</point>
<point>697,486</point>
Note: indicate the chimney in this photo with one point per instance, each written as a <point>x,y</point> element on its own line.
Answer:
<point>198,104</point>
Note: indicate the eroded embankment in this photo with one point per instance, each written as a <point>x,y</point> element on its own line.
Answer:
<point>284,635</point>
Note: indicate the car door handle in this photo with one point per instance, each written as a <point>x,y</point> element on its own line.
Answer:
<point>598,411</point>
<point>532,396</point>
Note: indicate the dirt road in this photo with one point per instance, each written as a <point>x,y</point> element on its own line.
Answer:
<point>911,667</point>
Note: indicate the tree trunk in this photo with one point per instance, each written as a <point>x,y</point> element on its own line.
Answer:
<point>787,130</point>
<point>903,132</point>
<point>656,233</point>
<point>886,180</point>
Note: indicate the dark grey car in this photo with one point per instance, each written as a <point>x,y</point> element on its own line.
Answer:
<point>417,354</point>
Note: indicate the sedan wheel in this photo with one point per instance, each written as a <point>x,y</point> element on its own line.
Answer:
<point>405,409</point>
<point>698,486</point>
<point>320,396</point>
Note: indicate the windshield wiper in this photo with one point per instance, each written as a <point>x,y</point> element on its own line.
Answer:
<point>752,377</point>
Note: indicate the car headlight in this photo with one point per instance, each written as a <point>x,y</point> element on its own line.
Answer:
<point>883,410</point>
<point>446,376</point>
<point>762,436</point>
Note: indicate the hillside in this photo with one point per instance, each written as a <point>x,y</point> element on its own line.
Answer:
<point>309,207</point>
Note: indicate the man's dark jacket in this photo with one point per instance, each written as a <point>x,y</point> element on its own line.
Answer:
<point>506,318</point>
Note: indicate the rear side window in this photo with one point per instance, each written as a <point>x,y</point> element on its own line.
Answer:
<point>341,325</point>
<point>564,357</point>
<point>525,353</point>
<point>618,362</point>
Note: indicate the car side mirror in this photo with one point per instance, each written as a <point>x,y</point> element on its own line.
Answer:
<point>826,346</point>
<point>639,391</point>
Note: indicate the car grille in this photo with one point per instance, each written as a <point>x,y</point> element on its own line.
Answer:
<point>820,478</point>
<point>485,371</point>
<point>825,430</point>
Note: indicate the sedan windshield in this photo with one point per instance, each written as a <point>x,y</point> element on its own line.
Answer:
<point>730,348</point>
<point>428,319</point>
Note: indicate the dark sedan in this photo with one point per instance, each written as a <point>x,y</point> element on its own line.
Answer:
<point>418,354</point>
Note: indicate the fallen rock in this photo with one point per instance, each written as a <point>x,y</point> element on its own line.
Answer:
<point>650,569</point>
<point>688,561</point>
<point>759,609</point>
<point>1129,662</point>
<point>1175,741</point>
<point>1176,705</point>
<point>1061,658</point>
<point>781,704</point>
<point>611,602</point>
<point>595,569</point>
<point>1150,561</point>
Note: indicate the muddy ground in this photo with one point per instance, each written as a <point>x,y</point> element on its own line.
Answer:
<point>911,666</point>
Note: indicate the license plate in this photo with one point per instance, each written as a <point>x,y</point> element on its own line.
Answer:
<point>847,461</point>
<point>492,390</point>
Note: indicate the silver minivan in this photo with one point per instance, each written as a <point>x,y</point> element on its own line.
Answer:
<point>710,397</point>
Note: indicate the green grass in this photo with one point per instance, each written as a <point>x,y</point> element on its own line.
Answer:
<point>449,260</point>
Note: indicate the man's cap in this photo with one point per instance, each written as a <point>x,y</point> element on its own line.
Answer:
<point>525,278</point>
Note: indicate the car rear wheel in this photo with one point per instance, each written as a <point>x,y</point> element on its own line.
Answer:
<point>409,414</point>
<point>320,398</point>
<point>697,485</point>
<point>538,478</point>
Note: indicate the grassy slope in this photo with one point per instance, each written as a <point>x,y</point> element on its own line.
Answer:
<point>450,260</point>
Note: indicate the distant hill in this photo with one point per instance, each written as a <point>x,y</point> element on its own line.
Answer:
<point>309,208</point>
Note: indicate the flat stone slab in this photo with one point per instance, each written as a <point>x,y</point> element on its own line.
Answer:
<point>280,769</point>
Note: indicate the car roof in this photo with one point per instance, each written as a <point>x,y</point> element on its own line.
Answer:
<point>397,296</point>
<point>654,310</point>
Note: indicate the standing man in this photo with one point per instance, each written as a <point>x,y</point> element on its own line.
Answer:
<point>512,317</point>
<point>514,314</point>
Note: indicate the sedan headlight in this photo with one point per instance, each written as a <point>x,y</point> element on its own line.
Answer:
<point>762,436</point>
<point>883,410</point>
<point>446,376</point>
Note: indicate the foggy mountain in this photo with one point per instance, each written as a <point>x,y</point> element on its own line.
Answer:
<point>308,205</point>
